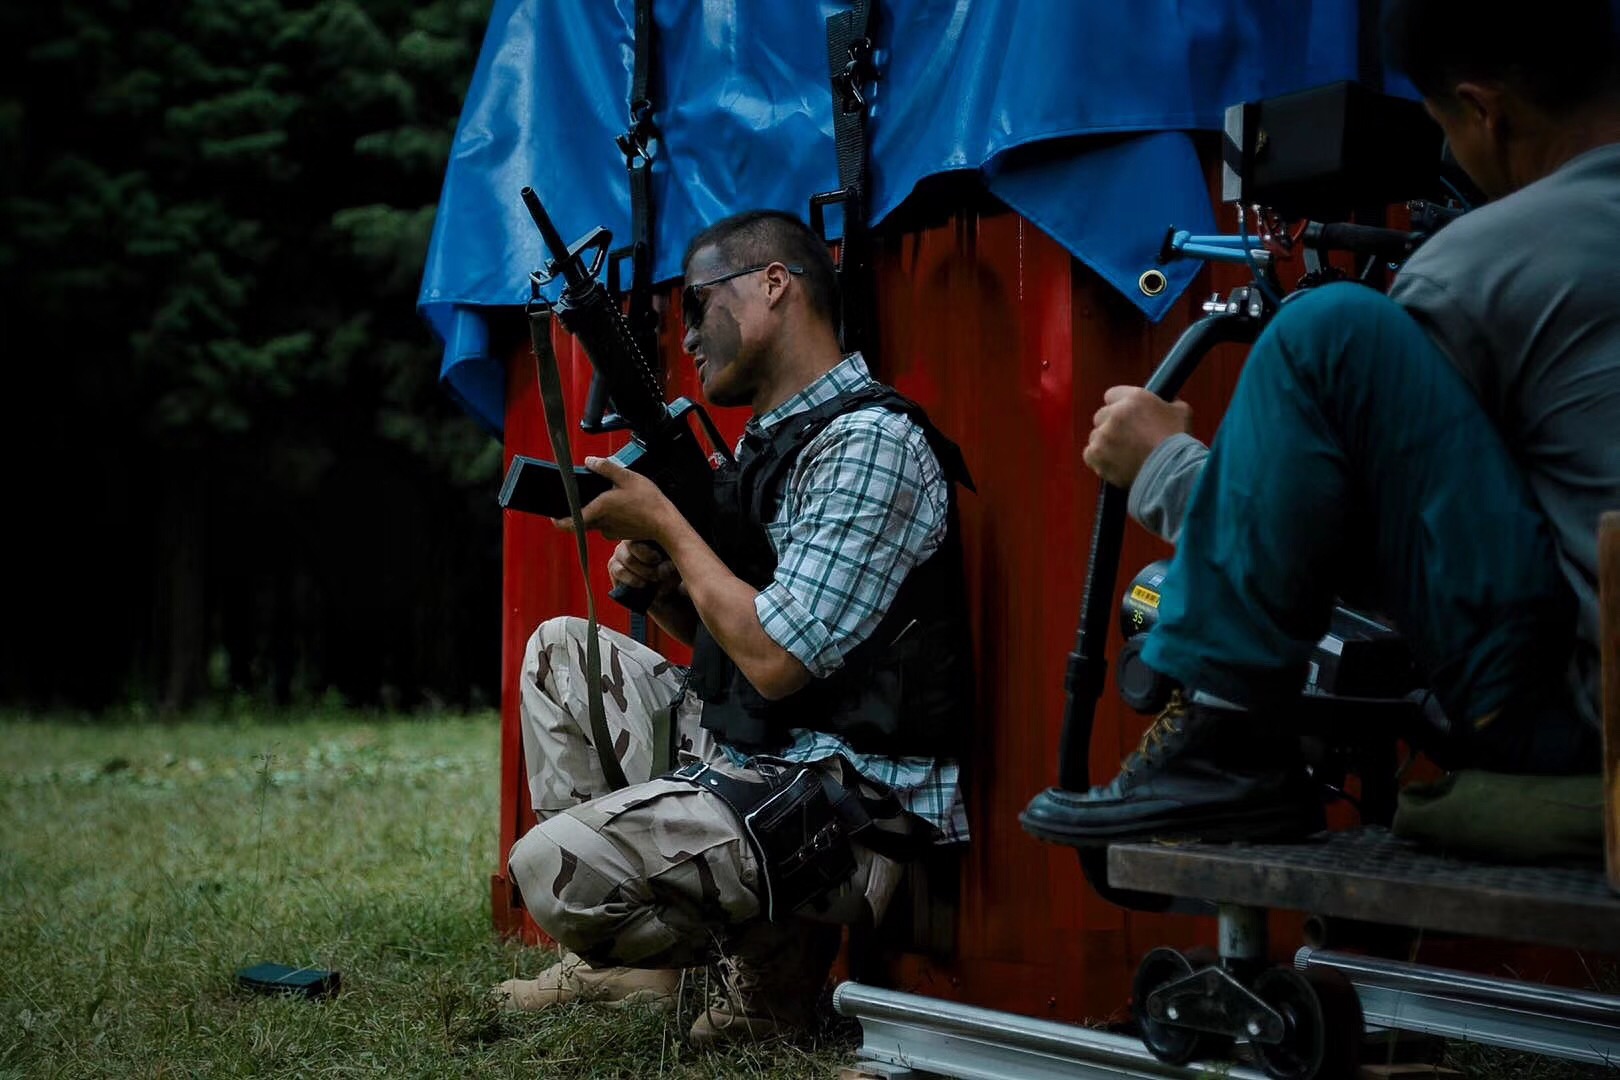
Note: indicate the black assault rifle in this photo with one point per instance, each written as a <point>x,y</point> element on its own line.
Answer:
<point>663,446</point>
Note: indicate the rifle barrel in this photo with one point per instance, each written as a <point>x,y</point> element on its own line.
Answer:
<point>548,233</point>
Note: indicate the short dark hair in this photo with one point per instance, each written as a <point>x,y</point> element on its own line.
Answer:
<point>764,236</point>
<point>1557,53</point>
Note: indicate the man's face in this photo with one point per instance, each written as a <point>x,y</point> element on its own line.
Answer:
<point>725,329</point>
<point>1473,123</point>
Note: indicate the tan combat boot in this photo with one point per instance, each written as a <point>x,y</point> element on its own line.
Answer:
<point>572,979</point>
<point>769,985</point>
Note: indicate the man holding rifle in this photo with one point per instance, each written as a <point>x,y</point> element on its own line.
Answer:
<point>1443,457</point>
<point>819,724</point>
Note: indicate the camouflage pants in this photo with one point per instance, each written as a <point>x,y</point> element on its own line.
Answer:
<point>657,874</point>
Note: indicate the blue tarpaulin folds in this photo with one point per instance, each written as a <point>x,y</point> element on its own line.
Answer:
<point>1075,113</point>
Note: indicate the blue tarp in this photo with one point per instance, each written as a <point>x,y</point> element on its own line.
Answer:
<point>1073,112</point>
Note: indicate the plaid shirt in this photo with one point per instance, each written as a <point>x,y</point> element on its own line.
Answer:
<point>864,503</point>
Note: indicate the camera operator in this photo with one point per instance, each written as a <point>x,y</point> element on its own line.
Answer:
<point>1442,455</point>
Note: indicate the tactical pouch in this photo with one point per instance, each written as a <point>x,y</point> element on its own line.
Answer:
<point>801,844</point>
<point>802,848</point>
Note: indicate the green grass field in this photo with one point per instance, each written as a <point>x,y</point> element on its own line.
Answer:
<point>142,864</point>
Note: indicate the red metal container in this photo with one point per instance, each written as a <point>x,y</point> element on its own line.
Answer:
<point>1009,343</point>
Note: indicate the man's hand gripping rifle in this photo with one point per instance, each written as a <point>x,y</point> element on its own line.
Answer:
<point>663,446</point>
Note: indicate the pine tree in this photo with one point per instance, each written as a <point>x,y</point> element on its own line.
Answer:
<point>216,215</point>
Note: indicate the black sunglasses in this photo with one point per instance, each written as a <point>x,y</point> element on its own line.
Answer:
<point>692,295</point>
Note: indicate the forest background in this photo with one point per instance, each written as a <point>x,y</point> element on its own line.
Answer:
<point>230,470</point>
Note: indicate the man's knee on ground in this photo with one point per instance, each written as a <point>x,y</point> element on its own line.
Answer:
<point>553,884</point>
<point>569,896</point>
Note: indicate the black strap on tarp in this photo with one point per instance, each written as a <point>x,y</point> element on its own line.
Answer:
<point>637,145</point>
<point>851,67</point>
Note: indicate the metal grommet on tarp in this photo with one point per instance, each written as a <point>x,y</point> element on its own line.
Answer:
<point>1152,282</point>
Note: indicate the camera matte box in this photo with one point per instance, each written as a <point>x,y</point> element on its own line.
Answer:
<point>1328,151</point>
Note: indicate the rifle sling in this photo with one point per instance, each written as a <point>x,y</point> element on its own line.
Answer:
<point>551,396</point>
<point>638,162</point>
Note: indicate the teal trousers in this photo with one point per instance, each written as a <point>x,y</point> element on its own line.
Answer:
<point>1355,462</point>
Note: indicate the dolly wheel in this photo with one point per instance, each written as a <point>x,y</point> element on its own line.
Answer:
<point>1346,1024</point>
<point>1313,1046</point>
<point>1170,1044</point>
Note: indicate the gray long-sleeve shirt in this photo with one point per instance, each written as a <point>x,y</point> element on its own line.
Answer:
<point>1164,486</point>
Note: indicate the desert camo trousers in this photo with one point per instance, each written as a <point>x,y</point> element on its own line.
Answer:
<point>659,873</point>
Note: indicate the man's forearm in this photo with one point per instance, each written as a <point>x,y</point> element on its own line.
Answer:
<point>725,603</point>
<point>676,616</point>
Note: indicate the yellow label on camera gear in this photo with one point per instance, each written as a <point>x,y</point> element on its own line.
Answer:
<point>1145,595</point>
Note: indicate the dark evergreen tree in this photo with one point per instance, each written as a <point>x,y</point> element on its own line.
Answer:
<point>232,462</point>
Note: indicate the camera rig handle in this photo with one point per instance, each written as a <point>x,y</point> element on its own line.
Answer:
<point>1238,319</point>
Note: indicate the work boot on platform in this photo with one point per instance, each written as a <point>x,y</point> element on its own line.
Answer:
<point>1200,773</point>
<point>769,985</point>
<point>572,979</point>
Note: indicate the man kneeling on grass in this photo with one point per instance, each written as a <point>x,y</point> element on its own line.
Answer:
<point>830,672</point>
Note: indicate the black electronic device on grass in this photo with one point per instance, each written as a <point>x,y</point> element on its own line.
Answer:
<point>289,981</point>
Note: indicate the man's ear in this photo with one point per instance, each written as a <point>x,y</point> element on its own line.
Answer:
<point>1484,104</point>
<point>777,282</point>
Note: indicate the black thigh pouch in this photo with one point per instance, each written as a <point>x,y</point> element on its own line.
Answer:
<point>803,851</point>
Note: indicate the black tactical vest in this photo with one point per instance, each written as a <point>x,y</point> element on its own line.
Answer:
<point>908,688</point>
